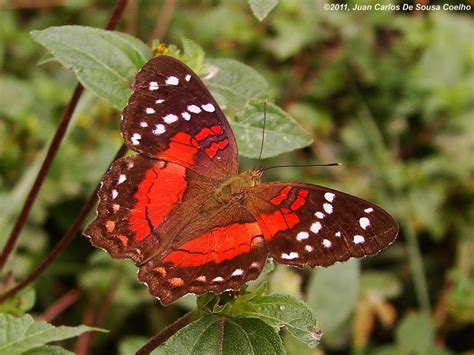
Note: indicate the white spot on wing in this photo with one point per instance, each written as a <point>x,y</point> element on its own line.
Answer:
<point>160,101</point>
<point>302,236</point>
<point>217,279</point>
<point>208,107</point>
<point>328,208</point>
<point>149,110</point>
<point>194,109</point>
<point>364,222</point>
<point>316,227</point>
<point>337,234</point>
<point>309,248</point>
<point>369,210</point>
<point>358,239</point>
<point>159,129</point>
<point>238,272</point>
<point>187,77</point>
<point>115,207</point>
<point>114,194</point>
<point>290,256</point>
<point>327,243</point>
<point>255,265</point>
<point>329,196</point>
<point>320,215</point>
<point>122,178</point>
<point>136,138</point>
<point>201,278</point>
<point>143,124</point>
<point>172,80</point>
<point>153,86</point>
<point>170,118</point>
<point>186,115</point>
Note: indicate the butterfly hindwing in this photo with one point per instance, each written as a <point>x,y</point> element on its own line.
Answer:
<point>221,255</point>
<point>309,224</point>
<point>172,116</point>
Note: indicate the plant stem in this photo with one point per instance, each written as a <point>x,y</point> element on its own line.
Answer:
<point>418,274</point>
<point>65,240</point>
<point>60,305</point>
<point>165,334</point>
<point>52,150</point>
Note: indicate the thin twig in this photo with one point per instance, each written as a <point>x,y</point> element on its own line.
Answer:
<point>65,240</point>
<point>163,21</point>
<point>52,150</point>
<point>100,314</point>
<point>60,305</point>
<point>165,334</point>
<point>83,341</point>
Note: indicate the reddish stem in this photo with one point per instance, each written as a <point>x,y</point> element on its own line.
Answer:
<point>65,240</point>
<point>60,305</point>
<point>52,150</point>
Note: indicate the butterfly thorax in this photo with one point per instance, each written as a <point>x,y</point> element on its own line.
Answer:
<point>234,189</point>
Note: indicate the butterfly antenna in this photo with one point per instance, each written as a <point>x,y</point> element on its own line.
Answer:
<point>263,133</point>
<point>300,166</point>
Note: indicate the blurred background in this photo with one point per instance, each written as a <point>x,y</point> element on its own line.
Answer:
<point>387,94</point>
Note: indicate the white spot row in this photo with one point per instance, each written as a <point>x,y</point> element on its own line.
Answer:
<point>290,256</point>
<point>172,80</point>
<point>136,138</point>
<point>358,239</point>
<point>369,210</point>
<point>153,86</point>
<point>364,222</point>
<point>121,178</point>
<point>329,196</point>
<point>328,208</point>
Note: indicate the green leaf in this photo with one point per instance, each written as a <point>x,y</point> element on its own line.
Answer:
<point>261,8</point>
<point>234,84</point>
<point>105,62</point>
<point>20,303</point>
<point>284,311</point>
<point>48,350</point>
<point>384,284</point>
<point>18,335</point>
<point>282,133</point>
<point>238,336</point>
<point>332,293</point>
<point>131,344</point>
<point>415,334</point>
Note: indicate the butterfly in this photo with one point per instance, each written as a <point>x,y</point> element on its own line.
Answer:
<point>191,222</point>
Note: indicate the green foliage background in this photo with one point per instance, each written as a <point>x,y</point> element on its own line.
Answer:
<point>390,95</point>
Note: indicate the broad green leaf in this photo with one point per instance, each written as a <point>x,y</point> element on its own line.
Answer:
<point>238,336</point>
<point>284,311</point>
<point>261,8</point>
<point>234,84</point>
<point>332,293</point>
<point>131,344</point>
<point>20,303</point>
<point>382,283</point>
<point>415,334</point>
<point>18,335</point>
<point>282,133</point>
<point>105,62</point>
<point>193,54</point>
<point>48,350</point>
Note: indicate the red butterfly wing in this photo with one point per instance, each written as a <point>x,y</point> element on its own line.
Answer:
<point>137,197</point>
<point>309,224</point>
<point>172,116</point>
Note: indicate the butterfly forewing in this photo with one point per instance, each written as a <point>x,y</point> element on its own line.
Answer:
<point>309,224</point>
<point>171,115</point>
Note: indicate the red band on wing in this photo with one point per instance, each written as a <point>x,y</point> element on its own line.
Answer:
<point>280,220</point>
<point>300,200</point>
<point>216,146</point>
<point>181,149</point>
<point>217,245</point>
<point>157,194</point>
<point>278,200</point>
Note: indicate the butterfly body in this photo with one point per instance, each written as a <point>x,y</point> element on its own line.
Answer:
<point>192,224</point>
